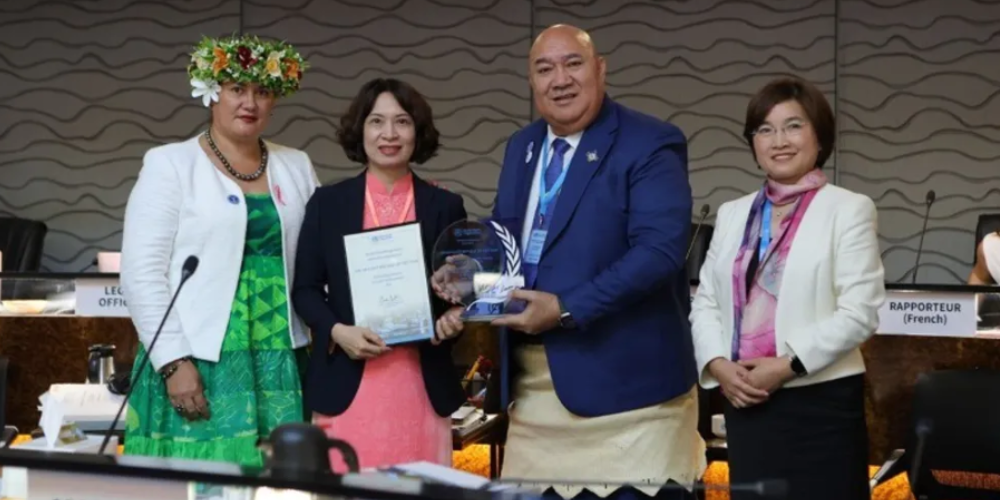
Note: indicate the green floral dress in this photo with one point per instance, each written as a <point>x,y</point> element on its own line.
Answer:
<point>255,386</point>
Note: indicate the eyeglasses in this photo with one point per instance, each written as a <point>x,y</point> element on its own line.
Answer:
<point>792,129</point>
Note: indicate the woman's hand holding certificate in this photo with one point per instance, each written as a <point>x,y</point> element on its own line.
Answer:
<point>358,342</point>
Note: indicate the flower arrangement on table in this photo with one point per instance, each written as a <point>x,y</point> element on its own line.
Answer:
<point>272,65</point>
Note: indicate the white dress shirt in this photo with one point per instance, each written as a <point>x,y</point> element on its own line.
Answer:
<point>529,214</point>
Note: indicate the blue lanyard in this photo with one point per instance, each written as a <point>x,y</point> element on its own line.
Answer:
<point>765,230</point>
<point>547,195</point>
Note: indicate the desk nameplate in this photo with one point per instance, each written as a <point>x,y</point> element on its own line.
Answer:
<point>939,314</point>
<point>100,297</point>
<point>926,313</point>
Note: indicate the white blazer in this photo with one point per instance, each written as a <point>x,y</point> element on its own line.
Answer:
<point>183,205</point>
<point>831,290</point>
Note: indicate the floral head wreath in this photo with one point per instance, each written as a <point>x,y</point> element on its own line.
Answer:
<point>272,65</point>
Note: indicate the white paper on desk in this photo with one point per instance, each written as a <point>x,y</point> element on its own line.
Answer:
<point>442,474</point>
<point>51,422</point>
<point>462,413</point>
<point>87,401</point>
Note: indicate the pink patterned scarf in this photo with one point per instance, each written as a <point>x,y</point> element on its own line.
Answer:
<point>755,308</point>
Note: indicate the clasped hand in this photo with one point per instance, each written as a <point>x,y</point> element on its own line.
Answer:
<point>186,392</point>
<point>751,382</point>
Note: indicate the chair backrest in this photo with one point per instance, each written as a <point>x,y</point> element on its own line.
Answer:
<point>22,242</point>
<point>958,408</point>
<point>987,223</point>
<point>698,243</point>
<point>4,364</point>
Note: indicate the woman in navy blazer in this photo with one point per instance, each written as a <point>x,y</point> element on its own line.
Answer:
<point>361,390</point>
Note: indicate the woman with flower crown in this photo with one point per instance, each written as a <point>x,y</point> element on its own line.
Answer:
<point>226,368</point>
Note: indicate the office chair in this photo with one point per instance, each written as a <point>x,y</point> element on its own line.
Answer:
<point>709,402</point>
<point>699,250</point>
<point>989,306</point>
<point>9,432</point>
<point>22,242</point>
<point>987,223</point>
<point>953,429</point>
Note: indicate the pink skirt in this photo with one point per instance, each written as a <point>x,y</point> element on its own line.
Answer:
<point>391,420</point>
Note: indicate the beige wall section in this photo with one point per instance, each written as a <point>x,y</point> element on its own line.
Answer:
<point>86,87</point>
<point>467,57</point>
<point>920,88</point>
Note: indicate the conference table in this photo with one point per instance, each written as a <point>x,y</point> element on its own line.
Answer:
<point>48,322</point>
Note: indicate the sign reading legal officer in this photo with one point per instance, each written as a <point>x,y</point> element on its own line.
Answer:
<point>100,297</point>
<point>928,313</point>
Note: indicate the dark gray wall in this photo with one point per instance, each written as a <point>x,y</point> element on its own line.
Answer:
<point>86,87</point>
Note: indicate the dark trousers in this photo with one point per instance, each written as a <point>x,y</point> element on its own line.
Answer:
<point>814,437</point>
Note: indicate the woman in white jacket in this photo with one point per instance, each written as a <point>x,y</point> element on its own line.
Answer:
<point>226,369</point>
<point>788,292</point>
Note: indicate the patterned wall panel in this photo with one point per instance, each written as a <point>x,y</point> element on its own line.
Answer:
<point>697,64</point>
<point>467,57</point>
<point>86,88</point>
<point>920,90</point>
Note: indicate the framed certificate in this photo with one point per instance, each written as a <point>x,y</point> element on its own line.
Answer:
<point>389,286</point>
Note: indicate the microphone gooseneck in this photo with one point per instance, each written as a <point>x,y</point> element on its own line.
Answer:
<point>188,269</point>
<point>705,209</point>
<point>923,430</point>
<point>928,201</point>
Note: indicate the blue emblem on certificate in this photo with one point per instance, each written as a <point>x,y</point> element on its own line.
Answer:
<point>477,265</point>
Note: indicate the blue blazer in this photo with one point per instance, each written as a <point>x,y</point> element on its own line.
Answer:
<point>615,255</point>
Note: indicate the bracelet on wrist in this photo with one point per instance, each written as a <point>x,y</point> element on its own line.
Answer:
<point>168,371</point>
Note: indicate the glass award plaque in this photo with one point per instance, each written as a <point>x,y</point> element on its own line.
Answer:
<point>477,265</point>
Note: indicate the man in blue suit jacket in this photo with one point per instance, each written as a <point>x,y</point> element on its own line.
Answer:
<point>601,362</point>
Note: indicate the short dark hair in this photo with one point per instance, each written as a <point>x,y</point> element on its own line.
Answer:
<point>813,101</point>
<point>351,133</point>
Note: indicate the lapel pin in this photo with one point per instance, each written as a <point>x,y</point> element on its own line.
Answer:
<point>531,147</point>
<point>592,156</point>
<point>277,193</point>
<point>233,199</point>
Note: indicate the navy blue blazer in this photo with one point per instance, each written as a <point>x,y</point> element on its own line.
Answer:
<point>615,255</point>
<point>332,380</point>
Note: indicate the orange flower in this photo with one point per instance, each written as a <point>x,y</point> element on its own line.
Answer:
<point>291,69</point>
<point>221,60</point>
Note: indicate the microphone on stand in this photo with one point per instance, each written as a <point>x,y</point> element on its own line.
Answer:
<point>705,209</point>
<point>923,430</point>
<point>929,200</point>
<point>190,266</point>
